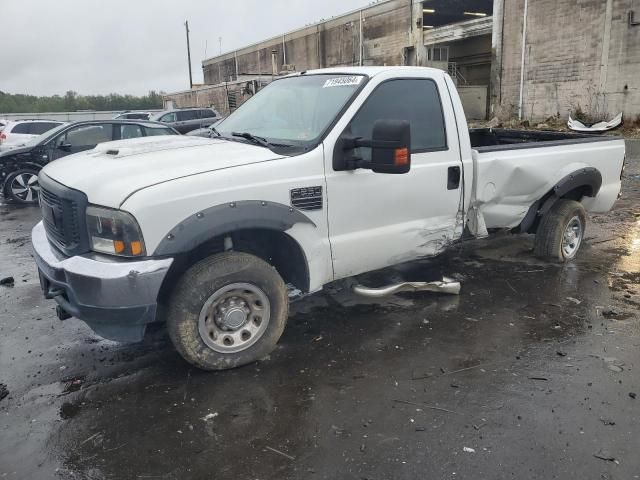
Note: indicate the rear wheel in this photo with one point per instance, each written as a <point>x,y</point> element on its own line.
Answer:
<point>561,231</point>
<point>22,186</point>
<point>227,310</point>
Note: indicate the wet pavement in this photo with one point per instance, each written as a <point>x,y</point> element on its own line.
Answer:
<point>529,373</point>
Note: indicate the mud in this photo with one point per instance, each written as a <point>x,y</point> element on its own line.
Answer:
<point>529,373</point>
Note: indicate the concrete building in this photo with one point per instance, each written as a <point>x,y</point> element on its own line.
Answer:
<point>577,54</point>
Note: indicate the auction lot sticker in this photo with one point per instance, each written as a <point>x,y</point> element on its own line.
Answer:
<point>343,81</point>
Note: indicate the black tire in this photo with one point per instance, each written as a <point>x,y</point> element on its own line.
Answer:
<point>552,228</point>
<point>200,284</point>
<point>20,190</point>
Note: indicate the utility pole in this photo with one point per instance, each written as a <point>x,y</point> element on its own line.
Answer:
<point>186,26</point>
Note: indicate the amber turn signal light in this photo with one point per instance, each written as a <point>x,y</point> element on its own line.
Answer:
<point>401,157</point>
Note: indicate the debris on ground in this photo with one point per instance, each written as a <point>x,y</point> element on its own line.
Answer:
<point>280,453</point>
<point>607,421</point>
<point>4,391</point>
<point>7,281</point>
<point>611,312</point>
<point>574,300</point>
<point>632,395</point>
<point>604,455</point>
<point>209,416</point>
<point>468,450</point>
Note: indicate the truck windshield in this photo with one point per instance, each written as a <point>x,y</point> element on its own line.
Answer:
<point>293,110</point>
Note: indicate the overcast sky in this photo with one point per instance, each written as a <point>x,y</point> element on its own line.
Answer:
<point>132,46</point>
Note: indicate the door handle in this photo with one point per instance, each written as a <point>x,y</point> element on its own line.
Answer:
<point>453,178</point>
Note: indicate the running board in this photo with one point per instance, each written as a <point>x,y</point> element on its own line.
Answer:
<point>447,285</point>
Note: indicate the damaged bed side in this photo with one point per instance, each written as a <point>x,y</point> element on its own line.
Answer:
<point>517,173</point>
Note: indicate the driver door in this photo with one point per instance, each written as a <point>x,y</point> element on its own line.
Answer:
<point>377,220</point>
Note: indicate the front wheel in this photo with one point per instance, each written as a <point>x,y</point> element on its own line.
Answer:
<point>22,186</point>
<point>561,231</point>
<point>227,310</point>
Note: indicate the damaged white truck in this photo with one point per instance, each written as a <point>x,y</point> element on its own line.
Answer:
<point>321,176</point>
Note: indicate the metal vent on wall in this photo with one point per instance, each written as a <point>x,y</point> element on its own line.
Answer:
<point>307,198</point>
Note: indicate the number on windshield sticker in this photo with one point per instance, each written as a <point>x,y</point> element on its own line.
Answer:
<point>342,81</point>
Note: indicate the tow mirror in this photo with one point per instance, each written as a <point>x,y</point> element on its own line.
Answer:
<point>390,149</point>
<point>391,146</point>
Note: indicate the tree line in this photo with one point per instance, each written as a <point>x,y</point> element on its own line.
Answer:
<point>72,101</point>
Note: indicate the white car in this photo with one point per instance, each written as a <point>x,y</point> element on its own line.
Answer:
<point>18,132</point>
<point>320,176</point>
<point>3,123</point>
<point>133,116</point>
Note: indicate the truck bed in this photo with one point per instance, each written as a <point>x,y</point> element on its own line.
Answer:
<point>514,169</point>
<point>497,139</point>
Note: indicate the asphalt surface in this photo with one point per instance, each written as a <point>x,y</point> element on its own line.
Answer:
<point>529,373</point>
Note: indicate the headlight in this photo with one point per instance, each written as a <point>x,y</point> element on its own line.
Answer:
<point>114,232</point>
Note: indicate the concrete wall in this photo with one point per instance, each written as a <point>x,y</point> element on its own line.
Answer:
<point>385,31</point>
<point>474,101</point>
<point>216,96</point>
<point>577,53</point>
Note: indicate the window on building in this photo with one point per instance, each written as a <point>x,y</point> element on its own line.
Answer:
<point>438,54</point>
<point>436,13</point>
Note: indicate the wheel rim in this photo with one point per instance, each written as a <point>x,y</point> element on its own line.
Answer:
<point>25,187</point>
<point>572,237</point>
<point>234,317</point>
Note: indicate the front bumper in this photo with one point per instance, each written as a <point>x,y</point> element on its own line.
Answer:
<point>117,298</point>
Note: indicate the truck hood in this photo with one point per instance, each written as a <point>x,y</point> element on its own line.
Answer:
<point>113,171</point>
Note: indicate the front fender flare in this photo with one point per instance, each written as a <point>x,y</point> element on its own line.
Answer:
<point>214,221</point>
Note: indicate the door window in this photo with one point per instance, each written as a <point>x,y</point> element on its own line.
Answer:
<point>21,128</point>
<point>169,118</point>
<point>206,113</point>
<point>87,135</point>
<point>414,100</point>
<point>125,132</point>
<point>38,128</point>
<point>187,115</point>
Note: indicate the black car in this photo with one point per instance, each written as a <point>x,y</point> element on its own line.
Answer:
<point>186,119</point>
<point>208,132</point>
<point>19,167</point>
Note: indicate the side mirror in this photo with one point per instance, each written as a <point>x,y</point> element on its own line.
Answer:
<point>391,146</point>
<point>390,149</point>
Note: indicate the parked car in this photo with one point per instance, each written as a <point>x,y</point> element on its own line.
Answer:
<point>19,167</point>
<point>319,177</point>
<point>208,132</point>
<point>18,132</point>
<point>133,116</point>
<point>186,119</point>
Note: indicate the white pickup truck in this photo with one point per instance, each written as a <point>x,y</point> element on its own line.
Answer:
<point>321,176</point>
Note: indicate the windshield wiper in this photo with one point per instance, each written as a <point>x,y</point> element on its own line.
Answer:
<point>252,138</point>
<point>214,130</point>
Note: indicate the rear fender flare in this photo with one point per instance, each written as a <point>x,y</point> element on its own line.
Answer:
<point>589,178</point>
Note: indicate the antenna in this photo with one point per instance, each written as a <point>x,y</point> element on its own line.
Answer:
<point>186,26</point>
